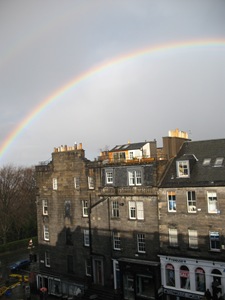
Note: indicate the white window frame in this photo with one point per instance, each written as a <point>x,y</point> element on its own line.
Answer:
<point>76,182</point>
<point>212,202</point>
<point>218,162</point>
<point>45,207</point>
<point>115,209</point>
<point>183,168</point>
<point>85,208</point>
<point>136,210</point>
<point>109,176</point>
<point>86,238</point>
<point>173,237</point>
<point>171,199</point>
<point>91,182</point>
<point>141,245</point>
<point>88,267</point>
<point>46,232</point>
<point>47,259</point>
<point>134,177</point>
<point>54,184</point>
<point>191,201</point>
<point>214,239</point>
<point>116,241</point>
<point>193,238</point>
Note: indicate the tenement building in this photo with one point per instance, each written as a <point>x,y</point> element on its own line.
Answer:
<point>139,222</point>
<point>191,207</point>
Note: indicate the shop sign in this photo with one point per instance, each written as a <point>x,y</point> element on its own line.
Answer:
<point>182,294</point>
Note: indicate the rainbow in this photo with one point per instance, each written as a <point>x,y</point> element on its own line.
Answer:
<point>59,93</point>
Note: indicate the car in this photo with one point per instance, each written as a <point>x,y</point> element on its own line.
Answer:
<point>18,265</point>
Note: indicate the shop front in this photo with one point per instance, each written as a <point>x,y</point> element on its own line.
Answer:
<point>191,278</point>
<point>139,279</point>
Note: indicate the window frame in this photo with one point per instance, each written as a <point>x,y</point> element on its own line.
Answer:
<point>172,201</point>
<point>76,183</point>
<point>115,209</point>
<point>214,202</point>
<point>191,202</point>
<point>85,208</point>
<point>116,240</point>
<point>173,237</point>
<point>183,164</point>
<point>109,176</point>
<point>193,238</point>
<point>46,235</point>
<point>91,184</point>
<point>214,241</point>
<point>88,267</point>
<point>86,238</point>
<point>47,259</point>
<point>141,243</point>
<point>54,184</point>
<point>45,207</point>
<point>136,210</point>
<point>135,177</point>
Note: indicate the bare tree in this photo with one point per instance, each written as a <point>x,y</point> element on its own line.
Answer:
<point>17,200</point>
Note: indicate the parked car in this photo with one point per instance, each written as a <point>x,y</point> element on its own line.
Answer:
<point>21,264</point>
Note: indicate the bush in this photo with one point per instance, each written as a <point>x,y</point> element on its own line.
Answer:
<point>21,244</point>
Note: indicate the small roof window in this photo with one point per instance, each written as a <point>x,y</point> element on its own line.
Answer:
<point>206,161</point>
<point>218,162</point>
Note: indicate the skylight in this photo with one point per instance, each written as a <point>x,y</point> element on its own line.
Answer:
<point>218,162</point>
<point>206,161</point>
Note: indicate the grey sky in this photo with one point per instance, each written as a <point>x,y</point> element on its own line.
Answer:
<point>46,44</point>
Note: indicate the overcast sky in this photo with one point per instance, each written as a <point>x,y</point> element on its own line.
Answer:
<point>47,44</point>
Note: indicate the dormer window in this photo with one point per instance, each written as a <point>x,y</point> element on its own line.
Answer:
<point>183,168</point>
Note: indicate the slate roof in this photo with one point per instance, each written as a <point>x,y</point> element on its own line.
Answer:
<point>200,175</point>
<point>128,146</point>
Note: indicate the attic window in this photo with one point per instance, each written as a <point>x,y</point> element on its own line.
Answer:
<point>183,169</point>
<point>206,161</point>
<point>218,162</point>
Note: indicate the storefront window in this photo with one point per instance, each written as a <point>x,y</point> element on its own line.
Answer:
<point>200,280</point>
<point>170,275</point>
<point>184,278</point>
<point>145,286</point>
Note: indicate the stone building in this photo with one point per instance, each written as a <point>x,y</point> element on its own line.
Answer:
<point>191,221</point>
<point>98,220</point>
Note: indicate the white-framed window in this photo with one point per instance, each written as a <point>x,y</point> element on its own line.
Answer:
<point>193,238</point>
<point>54,184</point>
<point>131,155</point>
<point>85,208</point>
<point>171,200</point>
<point>109,176</point>
<point>115,209</point>
<point>91,183</point>
<point>47,259</point>
<point>183,168</point>
<point>76,182</point>
<point>136,210</point>
<point>88,267</point>
<point>173,237</point>
<point>212,202</point>
<point>200,280</point>
<point>46,232</point>
<point>45,207</point>
<point>141,242</point>
<point>135,177</point>
<point>214,240</point>
<point>86,238</point>
<point>191,201</point>
<point>116,241</point>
